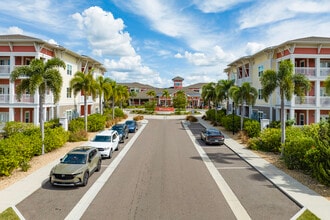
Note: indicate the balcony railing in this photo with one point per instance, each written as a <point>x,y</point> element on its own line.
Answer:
<point>4,69</point>
<point>307,71</point>
<point>306,101</point>
<point>325,101</point>
<point>324,71</point>
<point>26,98</point>
<point>4,98</point>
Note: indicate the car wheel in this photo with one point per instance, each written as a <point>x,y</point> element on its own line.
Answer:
<point>110,154</point>
<point>117,148</point>
<point>99,163</point>
<point>85,178</point>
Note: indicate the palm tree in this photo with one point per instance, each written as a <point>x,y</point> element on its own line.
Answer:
<point>243,95</point>
<point>40,76</point>
<point>104,90</point>
<point>86,84</point>
<point>151,93</point>
<point>222,90</point>
<point>327,85</point>
<point>122,94</point>
<point>288,84</point>
<point>166,94</point>
<point>208,93</point>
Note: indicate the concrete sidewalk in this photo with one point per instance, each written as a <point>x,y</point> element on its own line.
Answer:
<point>302,195</point>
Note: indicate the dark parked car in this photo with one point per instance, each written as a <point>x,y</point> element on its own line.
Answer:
<point>122,130</point>
<point>212,136</point>
<point>132,126</point>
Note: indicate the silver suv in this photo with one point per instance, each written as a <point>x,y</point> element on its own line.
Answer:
<point>76,167</point>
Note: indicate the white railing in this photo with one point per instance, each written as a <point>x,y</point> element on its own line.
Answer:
<point>307,71</point>
<point>26,98</point>
<point>4,69</point>
<point>89,99</point>
<point>324,71</point>
<point>325,101</point>
<point>4,98</point>
<point>307,100</point>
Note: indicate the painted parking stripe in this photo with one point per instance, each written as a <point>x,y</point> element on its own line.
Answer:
<point>89,196</point>
<point>226,191</point>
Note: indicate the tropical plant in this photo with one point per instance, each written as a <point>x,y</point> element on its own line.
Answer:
<point>151,93</point>
<point>222,90</point>
<point>166,94</point>
<point>208,93</point>
<point>104,90</point>
<point>122,94</point>
<point>87,85</point>
<point>180,100</point>
<point>243,95</point>
<point>327,85</point>
<point>288,84</point>
<point>39,76</point>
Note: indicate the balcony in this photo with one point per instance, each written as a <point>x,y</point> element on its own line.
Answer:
<point>26,98</point>
<point>4,69</point>
<point>324,71</point>
<point>306,101</point>
<point>309,72</point>
<point>4,98</point>
<point>325,101</point>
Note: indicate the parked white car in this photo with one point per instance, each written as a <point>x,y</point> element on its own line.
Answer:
<point>106,142</point>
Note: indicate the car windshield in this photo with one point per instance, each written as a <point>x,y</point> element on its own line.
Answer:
<point>130,122</point>
<point>117,128</point>
<point>74,159</point>
<point>100,138</point>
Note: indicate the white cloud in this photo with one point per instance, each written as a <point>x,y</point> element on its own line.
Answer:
<point>105,34</point>
<point>14,30</point>
<point>253,47</point>
<point>211,6</point>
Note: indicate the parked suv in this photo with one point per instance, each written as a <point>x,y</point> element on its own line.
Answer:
<point>122,130</point>
<point>76,167</point>
<point>106,142</point>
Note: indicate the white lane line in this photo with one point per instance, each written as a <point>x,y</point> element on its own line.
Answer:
<point>232,168</point>
<point>18,213</point>
<point>229,195</point>
<point>89,196</point>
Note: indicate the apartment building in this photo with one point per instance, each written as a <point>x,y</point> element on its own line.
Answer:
<point>310,56</point>
<point>18,50</point>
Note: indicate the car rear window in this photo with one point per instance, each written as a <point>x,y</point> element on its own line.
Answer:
<point>99,138</point>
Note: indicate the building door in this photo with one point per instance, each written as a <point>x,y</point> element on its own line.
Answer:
<point>27,117</point>
<point>301,119</point>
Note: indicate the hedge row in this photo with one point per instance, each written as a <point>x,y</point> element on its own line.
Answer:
<point>17,149</point>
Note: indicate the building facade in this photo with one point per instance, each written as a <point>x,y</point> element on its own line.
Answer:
<point>18,50</point>
<point>310,56</point>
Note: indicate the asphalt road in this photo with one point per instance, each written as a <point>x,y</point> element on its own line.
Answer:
<point>162,176</point>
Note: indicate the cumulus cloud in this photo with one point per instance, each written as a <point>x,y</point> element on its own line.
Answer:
<point>14,30</point>
<point>105,34</point>
<point>253,47</point>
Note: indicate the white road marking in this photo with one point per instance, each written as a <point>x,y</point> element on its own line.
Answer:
<point>89,196</point>
<point>229,195</point>
<point>232,168</point>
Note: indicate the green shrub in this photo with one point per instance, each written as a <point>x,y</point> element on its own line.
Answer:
<point>76,124</point>
<point>252,128</point>
<point>55,138</point>
<point>275,124</point>
<point>295,150</point>
<point>269,140</point>
<point>191,118</point>
<point>77,136</point>
<point>14,127</point>
<point>229,125</point>
<point>95,122</point>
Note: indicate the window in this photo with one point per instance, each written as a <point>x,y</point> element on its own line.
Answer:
<point>27,117</point>
<point>68,92</point>
<point>259,94</point>
<point>69,69</point>
<point>260,70</point>
<point>301,119</point>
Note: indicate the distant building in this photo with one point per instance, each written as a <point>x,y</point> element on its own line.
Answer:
<point>18,50</point>
<point>193,93</point>
<point>310,56</point>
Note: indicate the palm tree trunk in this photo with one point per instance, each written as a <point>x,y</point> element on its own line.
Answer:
<point>41,121</point>
<point>282,125</point>
<point>85,111</point>
<point>242,116</point>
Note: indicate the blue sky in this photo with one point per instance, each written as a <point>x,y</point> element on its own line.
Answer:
<point>153,41</point>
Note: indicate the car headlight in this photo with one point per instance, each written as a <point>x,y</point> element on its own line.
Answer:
<point>76,174</point>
